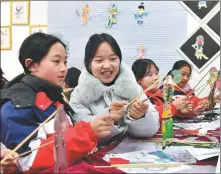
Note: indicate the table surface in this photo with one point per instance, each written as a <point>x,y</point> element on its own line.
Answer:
<point>131,145</point>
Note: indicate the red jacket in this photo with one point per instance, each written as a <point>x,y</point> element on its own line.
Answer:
<point>80,138</point>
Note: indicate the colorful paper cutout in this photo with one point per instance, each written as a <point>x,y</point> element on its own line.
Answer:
<point>112,18</point>
<point>84,14</point>
<point>140,14</point>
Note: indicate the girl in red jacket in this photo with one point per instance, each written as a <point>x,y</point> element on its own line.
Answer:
<point>32,97</point>
<point>183,89</point>
<point>146,72</point>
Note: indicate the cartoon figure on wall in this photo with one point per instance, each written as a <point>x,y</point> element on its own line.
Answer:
<point>202,4</point>
<point>140,14</point>
<point>85,14</point>
<point>198,46</point>
<point>141,52</point>
<point>112,18</point>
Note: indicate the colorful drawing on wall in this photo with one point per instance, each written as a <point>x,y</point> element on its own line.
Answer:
<point>141,52</point>
<point>6,39</point>
<point>202,4</point>
<point>199,9</point>
<point>198,46</point>
<point>20,12</point>
<point>203,51</point>
<point>214,24</point>
<point>112,18</point>
<point>84,14</point>
<point>38,28</point>
<point>140,14</point>
<point>214,75</point>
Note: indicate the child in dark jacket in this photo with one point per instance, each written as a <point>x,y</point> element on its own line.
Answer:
<point>31,98</point>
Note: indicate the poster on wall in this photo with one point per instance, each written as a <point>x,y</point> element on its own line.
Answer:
<point>199,9</point>
<point>6,38</point>
<point>214,23</point>
<point>20,12</point>
<point>200,49</point>
<point>38,28</point>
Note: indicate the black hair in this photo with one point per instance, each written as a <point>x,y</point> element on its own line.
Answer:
<point>3,80</point>
<point>94,42</point>
<point>141,67</point>
<point>141,6</point>
<point>72,77</point>
<point>35,47</point>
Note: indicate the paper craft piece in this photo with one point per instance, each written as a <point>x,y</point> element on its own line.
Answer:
<point>177,77</point>
<point>202,4</point>
<point>140,14</point>
<point>203,153</point>
<point>60,126</point>
<point>198,46</point>
<point>141,52</point>
<point>168,91</point>
<point>213,77</point>
<point>218,82</point>
<point>112,18</point>
<point>84,14</point>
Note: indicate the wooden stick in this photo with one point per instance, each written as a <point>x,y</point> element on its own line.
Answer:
<point>199,81</point>
<point>144,165</point>
<point>152,95</point>
<point>33,149</point>
<point>201,91</point>
<point>138,96</point>
<point>29,136</point>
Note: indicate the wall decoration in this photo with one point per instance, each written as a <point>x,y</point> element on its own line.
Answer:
<point>38,28</point>
<point>199,9</point>
<point>112,18</point>
<point>6,38</point>
<point>141,52</point>
<point>84,14</point>
<point>214,24</point>
<point>200,49</point>
<point>140,14</point>
<point>20,12</point>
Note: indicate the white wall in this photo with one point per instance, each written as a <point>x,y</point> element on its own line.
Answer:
<point>9,58</point>
<point>39,9</point>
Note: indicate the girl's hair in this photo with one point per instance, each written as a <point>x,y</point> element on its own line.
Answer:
<point>179,64</point>
<point>3,80</point>
<point>94,42</point>
<point>35,47</point>
<point>141,67</point>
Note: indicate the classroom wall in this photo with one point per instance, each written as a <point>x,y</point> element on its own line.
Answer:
<point>9,58</point>
<point>39,15</point>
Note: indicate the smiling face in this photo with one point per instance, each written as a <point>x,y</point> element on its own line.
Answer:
<point>185,73</point>
<point>52,67</point>
<point>105,64</point>
<point>150,77</point>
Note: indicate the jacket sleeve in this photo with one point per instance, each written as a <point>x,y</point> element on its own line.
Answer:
<point>79,139</point>
<point>146,126</point>
<point>16,125</point>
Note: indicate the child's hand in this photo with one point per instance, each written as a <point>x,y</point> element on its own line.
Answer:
<point>115,107</point>
<point>102,125</point>
<point>180,103</point>
<point>138,109</point>
<point>9,163</point>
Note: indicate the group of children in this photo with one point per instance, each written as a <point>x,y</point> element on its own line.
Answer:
<point>97,109</point>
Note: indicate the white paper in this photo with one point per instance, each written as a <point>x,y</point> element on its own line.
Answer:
<point>203,153</point>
